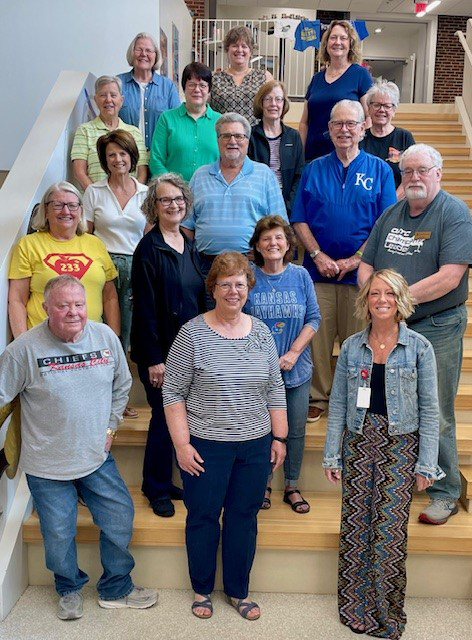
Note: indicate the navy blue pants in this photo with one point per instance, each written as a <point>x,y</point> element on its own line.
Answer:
<point>235,478</point>
<point>159,453</point>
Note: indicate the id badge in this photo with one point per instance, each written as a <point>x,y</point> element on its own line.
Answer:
<point>363,397</point>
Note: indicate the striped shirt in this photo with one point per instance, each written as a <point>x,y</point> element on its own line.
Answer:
<point>274,161</point>
<point>227,384</point>
<point>84,146</point>
<point>224,215</point>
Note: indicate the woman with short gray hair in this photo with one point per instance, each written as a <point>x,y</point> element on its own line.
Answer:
<point>168,290</point>
<point>146,93</point>
<point>383,139</point>
<point>85,162</point>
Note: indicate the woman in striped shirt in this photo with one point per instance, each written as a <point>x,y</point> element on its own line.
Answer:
<point>224,402</point>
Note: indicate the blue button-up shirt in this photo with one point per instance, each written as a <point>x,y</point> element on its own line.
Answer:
<point>159,95</point>
<point>224,215</point>
<point>411,391</point>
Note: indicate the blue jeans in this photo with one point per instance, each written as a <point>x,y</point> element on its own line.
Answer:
<point>234,479</point>
<point>112,510</point>
<point>297,413</point>
<point>125,294</point>
<point>445,331</point>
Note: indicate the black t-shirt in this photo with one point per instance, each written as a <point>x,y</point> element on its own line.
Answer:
<point>192,286</point>
<point>389,148</point>
<point>378,401</point>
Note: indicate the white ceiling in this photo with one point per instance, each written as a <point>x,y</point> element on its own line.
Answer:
<point>447,7</point>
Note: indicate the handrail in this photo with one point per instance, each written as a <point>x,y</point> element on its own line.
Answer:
<point>43,159</point>
<point>465,46</point>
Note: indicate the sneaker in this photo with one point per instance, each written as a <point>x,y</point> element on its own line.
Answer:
<point>71,606</point>
<point>438,511</point>
<point>314,414</point>
<point>139,598</point>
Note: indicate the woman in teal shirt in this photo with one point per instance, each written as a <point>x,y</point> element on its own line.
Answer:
<point>185,138</point>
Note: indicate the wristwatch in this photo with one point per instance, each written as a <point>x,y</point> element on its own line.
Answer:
<point>279,439</point>
<point>314,253</point>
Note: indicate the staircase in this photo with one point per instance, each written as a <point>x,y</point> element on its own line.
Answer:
<point>298,553</point>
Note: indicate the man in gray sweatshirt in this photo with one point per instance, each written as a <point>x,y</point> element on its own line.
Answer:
<point>73,382</point>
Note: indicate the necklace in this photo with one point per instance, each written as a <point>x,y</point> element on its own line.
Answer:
<point>271,281</point>
<point>383,344</point>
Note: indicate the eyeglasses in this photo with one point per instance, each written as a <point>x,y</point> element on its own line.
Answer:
<point>339,124</point>
<point>227,286</point>
<point>335,38</point>
<point>239,137</point>
<point>421,171</point>
<point>269,100</point>
<point>57,205</point>
<point>166,201</point>
<point>203,86</point>
<point>388,106</point>
<point>147,52</point>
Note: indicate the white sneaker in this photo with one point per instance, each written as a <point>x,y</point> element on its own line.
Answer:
<point>438,511</point>
<point>71,606</point>
<point>139,598</point>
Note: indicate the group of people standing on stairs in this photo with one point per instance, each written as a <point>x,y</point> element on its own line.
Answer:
<point>198,279</point>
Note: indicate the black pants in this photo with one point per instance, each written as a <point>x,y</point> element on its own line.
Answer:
<point>159,454</point>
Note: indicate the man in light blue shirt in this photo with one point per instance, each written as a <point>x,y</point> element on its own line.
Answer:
<point>232,194</point>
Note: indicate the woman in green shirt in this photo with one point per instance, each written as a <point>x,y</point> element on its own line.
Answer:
<point>185,137</point>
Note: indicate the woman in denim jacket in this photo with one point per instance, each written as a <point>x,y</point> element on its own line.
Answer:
<point>383,429</point>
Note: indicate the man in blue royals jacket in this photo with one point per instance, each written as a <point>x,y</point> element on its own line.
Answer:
<point>339,198</point>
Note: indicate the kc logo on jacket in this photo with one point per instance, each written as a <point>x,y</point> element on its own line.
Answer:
<point>365,182</point>
<point>74,264</point>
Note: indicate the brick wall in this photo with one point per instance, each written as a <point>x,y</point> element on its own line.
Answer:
<point>449,67</point>
<point>197,10</point>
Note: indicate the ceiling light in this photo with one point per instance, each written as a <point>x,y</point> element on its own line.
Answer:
<point>433,5</point>
<point>378,30</point>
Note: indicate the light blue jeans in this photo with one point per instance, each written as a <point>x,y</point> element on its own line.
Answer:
<point>445,331</point>
<point>125,295</point>
<point>297,413</point>
<point>112,510</point>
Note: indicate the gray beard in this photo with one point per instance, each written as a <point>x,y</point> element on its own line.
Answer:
<point>416,193</point>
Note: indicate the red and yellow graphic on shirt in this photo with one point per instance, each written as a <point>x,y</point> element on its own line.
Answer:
<point>73,264</point>
<point>393,155</point>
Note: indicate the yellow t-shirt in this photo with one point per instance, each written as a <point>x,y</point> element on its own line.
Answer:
<point>41,257</point>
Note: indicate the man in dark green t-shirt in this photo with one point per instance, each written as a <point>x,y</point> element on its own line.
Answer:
<point>427,237</point>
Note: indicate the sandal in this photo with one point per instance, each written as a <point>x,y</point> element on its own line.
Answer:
<point>355,629</point>
<point>130,412</point>
<point>266,504</point>
<point>243,608</point>
<point>206,604</point>
<point>295,505</point>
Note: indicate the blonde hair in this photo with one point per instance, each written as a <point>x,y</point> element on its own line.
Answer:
<point>40,221</point>
<point>354,55</point>
<point>401,293</point>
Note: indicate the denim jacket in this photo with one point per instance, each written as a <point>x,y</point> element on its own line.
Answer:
<point>411,391</point>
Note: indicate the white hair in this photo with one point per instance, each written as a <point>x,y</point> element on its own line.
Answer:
<point>435,156</point>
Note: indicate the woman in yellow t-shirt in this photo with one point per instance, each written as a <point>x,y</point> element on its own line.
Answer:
<point>61,245</point>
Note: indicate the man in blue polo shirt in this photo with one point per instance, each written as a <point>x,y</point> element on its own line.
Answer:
<point>339,198</point>
<point>231,195</point>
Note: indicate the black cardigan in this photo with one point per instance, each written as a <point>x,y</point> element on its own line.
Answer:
<point>157,297</point>
<point>292,158</point>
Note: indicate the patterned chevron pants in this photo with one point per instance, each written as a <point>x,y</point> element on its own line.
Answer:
<point>378,480</point>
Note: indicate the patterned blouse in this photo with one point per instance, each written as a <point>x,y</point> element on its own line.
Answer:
<point>227,96</point>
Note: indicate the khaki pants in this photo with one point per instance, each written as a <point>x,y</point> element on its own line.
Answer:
<point>337,304</point>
